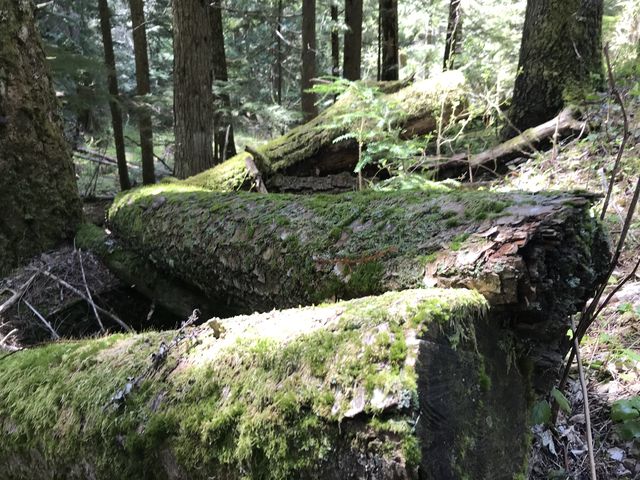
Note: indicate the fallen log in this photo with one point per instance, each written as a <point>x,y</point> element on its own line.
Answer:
<point>564,124</point>
<point>310,150</point>
<point>408,385</point>
<point>538,256</point>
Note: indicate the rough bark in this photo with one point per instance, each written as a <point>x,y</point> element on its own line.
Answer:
<point>193,81</point>
<point>408,385</point>
<point>352,40</point>
<point>309,108</point>
<point>143,81</point>
<point>225,145</point>
<point>39,203</point>
<point>453,41</point>
<point>112,85</point>
<point>335,41</point>
<point>390,66</point>
<point>310,150</point>
<point>279,60</point>
<point>560,58</point>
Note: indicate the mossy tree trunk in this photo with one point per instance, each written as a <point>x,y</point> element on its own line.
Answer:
<point>193,82</point>
<point>114,94</point>
<point>225,144</point>
<point>453,42</point>
<point>560,59</point>
<point>39,203</point>
<point>407,385</point>
<point>143,80</point>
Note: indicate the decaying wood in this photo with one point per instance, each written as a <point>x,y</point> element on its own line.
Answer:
<point>564,124</point>
<point>17,295</point>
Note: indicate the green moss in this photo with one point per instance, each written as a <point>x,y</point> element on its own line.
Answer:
<point>258,407</point>
<point>458,240</point>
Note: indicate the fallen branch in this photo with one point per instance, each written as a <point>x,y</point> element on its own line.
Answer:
<point>17,295</point>
<point>564,124</point>
<point>54,334</point>
<point>86,299</point>
<point>625,134</point>
<point>86,286</point>
<point>99,158</point>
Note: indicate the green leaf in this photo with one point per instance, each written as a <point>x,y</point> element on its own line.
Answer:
<point>629,430</point>
<point>627,409</point>
<point>541,413</point>
<point>561,400</point>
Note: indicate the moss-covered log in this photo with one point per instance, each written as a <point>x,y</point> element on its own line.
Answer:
<point>536,256</point>
<point>309,150</point>
<point>417,384</point>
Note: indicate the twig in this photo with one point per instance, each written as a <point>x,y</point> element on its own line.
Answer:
<point>17,295</point>
<point>616,165</point>
<point>86,287</point>
<point>84,297</point>
<point>5,338</point>
<point>585,396</point>
<point>54,334</point>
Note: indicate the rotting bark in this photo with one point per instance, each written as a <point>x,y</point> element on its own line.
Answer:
<point>309,150</point>
<point>403,386</point>
<point>39,202</point>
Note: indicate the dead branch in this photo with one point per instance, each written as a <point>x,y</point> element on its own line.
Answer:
<point>86,287</point>
<point>625,134</point>
<point>562,125</point>
<point>86,299</point>
<point>99,158</point>
<point>17,295</point>
<point>54,334</point>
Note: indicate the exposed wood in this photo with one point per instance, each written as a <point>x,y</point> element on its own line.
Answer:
<point>563,125</point>
<point>17,295</point>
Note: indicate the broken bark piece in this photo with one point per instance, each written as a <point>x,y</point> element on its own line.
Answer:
<point>407,385</point>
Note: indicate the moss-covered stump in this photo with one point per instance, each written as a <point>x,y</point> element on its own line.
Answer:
<point>407,385</point>
<point>39,201</point>
<point>310,151</point>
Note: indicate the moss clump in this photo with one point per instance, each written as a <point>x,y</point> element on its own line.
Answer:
<point>259,403</point>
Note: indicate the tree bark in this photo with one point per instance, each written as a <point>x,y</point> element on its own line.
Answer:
<point>390,67</point>
<point>225,145</point>
<point>383,388</point>
<point>352,40</point>
<point>39,203</point>
<point>560,59</point>
<point>309,108</point>
<point>335,41</point>
<point>114,102</point>
<point>453,41</point>
<point>193,82</point>
<point>143,81</point>
<point>279,59</point>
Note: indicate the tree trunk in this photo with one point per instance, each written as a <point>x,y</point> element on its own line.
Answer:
<point>560,59</point>
<point>352,39</point>
<point>225,145</point>
<point>38,195</point>
<point>390,67</point>
<point>144,88</point>
<point>279,59</point>
<point>114,102</point>
<point>394,387</point>
<point>193,82</point>
<point>453,41</point>
<point>310,151</point>
<point>335,41</point>
<point>308,58</point>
